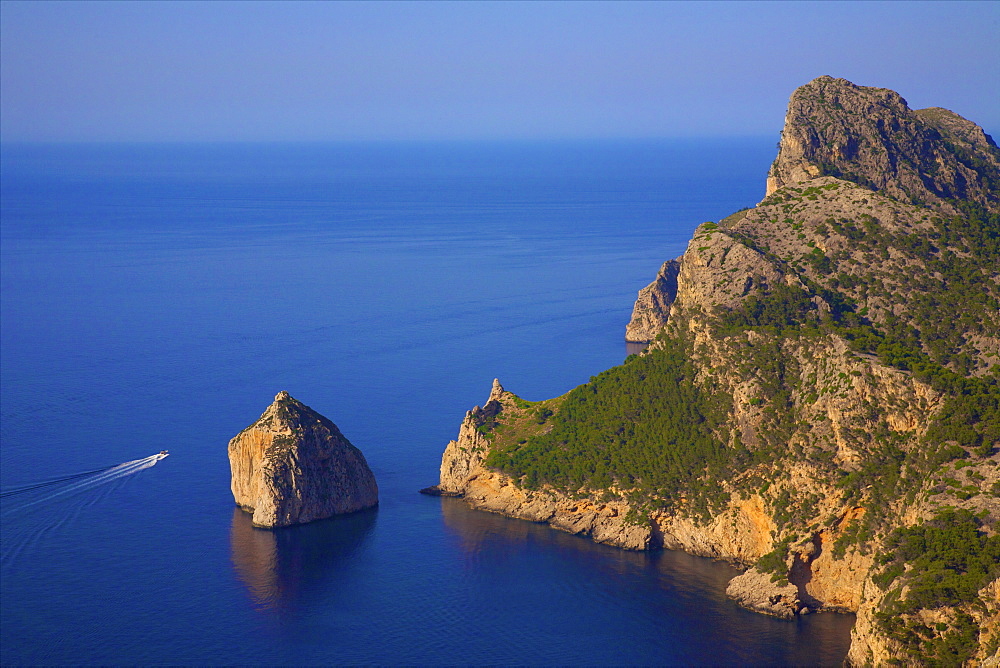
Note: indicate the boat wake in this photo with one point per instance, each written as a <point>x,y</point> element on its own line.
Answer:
<point>29,502</point>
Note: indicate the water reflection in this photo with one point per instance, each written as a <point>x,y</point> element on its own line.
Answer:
<point>677,600</point>
<point>282,567</point>
<point>487,537</point>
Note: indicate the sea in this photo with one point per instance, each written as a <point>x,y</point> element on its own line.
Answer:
<point>157,296</point>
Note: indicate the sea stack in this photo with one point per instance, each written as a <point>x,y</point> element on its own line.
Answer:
<point>293,466</point>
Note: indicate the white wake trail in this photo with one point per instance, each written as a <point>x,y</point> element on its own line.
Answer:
<point>80,485</point>
<point>24,534</point>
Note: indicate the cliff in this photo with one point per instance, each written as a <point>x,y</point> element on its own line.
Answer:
<point>871,137</point>
<point>653,304</point>
<point>293,466</point>
<point>821,399</point>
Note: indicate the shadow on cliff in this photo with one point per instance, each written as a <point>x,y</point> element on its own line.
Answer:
<point>285,568</point>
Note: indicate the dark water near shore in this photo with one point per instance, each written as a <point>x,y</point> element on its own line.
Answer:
<point>157,297</point>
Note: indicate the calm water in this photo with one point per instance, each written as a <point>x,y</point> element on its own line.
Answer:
<point>157,297</point>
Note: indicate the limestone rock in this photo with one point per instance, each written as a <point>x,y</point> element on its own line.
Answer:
<point>858,199</point>
<point>720,270</point>
<point>871,137</point>
<point>652,308</point>
<point>293,466</point>
<point>756,591</point>
<point>463,456</point>
<point>601,521</point>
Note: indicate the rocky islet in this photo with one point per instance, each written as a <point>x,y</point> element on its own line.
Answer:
<point>292,466</point>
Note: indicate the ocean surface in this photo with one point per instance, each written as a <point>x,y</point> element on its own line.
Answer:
<point>157,297</point>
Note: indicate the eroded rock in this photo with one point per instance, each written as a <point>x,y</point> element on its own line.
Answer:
<point>871,137</point>
<point>758,592</point>
<point>293,466</point>
<point>652,307</point>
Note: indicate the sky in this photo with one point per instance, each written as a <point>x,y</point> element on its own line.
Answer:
<point>320,71</point>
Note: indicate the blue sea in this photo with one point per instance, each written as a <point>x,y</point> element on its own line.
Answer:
<point>157,297</point>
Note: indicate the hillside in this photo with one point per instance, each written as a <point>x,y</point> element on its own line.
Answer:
<point>821,399</point>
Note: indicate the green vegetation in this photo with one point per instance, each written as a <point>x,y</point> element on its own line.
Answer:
<point>943,562</point>
<point>939,274</point>
<point>654,431</point>
<point>783,306</point>
<point>775,562</point>
<point>644,427</point>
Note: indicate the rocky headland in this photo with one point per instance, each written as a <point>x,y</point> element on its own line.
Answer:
<point>653,305</point>
<point>293,466</point>
<point>820,402</point>
<point>870,136</point>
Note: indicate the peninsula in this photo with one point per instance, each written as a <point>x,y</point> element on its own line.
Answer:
<point>820,400</point>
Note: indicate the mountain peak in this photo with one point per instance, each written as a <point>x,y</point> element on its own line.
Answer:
<point>871,137</point>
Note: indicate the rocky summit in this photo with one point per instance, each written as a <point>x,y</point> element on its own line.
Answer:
<point>293,466</point>
<point>820,401</point>
<point>869,136</point>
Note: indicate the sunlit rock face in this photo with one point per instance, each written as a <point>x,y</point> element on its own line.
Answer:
<point>876,223</point>
<point>871,137</point>
<point>652,307</point>
<point>293,466</point>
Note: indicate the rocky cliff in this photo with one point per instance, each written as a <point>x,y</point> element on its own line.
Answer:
<point>871,137</point>
<point>652,308</point>
<point>293,466</point>
<point>821,402</point>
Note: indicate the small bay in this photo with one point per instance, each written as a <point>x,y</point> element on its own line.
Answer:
<point>156,297</point>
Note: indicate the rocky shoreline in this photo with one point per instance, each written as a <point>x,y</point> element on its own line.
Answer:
<point>857,443</point>
<point>740,535</point>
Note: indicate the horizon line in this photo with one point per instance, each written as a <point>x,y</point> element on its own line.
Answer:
<point>393,140</point>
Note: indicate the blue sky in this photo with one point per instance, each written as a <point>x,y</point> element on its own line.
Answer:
<point>252,71</point>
